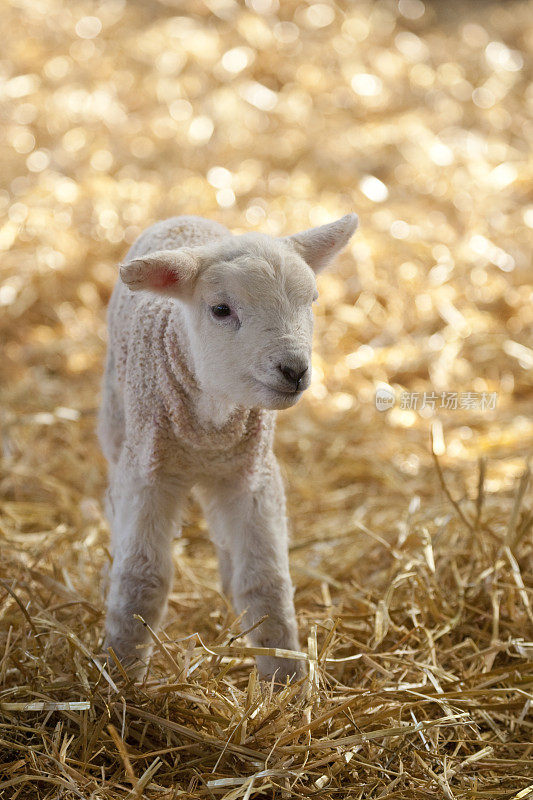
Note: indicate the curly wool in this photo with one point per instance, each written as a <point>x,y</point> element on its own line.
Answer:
<point>151,391</point>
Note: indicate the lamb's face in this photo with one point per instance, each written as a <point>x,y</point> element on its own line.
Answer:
<point>247,305</point>
<point>250,323</point>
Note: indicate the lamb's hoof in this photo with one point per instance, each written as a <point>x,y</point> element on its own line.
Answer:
<point>130,663</point>
<point>280,669</point>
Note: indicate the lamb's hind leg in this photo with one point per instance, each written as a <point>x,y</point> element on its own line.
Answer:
<point>144,520</point>
<point>111,433</point>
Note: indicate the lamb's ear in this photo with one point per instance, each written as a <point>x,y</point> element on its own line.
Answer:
<point>170,272</point>
<point>319,246</point>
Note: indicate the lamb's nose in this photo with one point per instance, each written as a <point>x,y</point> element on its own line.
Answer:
<point>293,375</point>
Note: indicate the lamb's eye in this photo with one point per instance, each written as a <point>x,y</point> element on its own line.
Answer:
<point>221,310</point>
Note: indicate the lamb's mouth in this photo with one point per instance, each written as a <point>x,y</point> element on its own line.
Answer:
<point>285,393</point>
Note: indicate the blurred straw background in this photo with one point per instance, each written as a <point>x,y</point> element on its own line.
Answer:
<point>412,561</point>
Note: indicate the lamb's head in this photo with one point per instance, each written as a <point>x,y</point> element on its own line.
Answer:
<point>247,302</point>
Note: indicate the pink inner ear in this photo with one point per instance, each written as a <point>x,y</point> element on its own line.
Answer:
<point>164,278</point>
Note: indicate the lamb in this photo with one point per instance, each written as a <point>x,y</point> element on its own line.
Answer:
<point>209,334</point>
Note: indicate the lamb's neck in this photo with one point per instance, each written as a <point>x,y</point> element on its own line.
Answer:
<point>211,410</point>
<point>214,410</point>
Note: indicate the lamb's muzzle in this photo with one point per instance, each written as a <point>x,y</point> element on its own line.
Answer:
<point>209,333</point>
<point>294,375</point>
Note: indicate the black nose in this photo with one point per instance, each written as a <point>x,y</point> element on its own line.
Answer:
<point>294,376</point>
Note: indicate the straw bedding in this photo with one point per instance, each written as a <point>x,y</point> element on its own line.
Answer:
<point>412,548</point>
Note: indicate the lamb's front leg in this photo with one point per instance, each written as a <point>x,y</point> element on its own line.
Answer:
<point>143,524</point>
<point>251,527</point>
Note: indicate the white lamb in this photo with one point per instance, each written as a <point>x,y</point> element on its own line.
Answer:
<point>197,361</point>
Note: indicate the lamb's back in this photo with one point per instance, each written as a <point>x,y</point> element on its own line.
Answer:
<point>170,234</point>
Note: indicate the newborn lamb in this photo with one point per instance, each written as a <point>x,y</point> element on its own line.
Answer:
<point>209,334</point>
